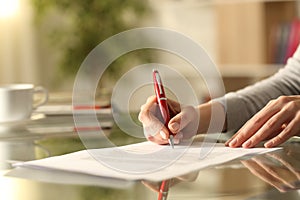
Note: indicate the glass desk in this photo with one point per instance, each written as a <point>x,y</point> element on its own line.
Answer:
<point>271,176</point>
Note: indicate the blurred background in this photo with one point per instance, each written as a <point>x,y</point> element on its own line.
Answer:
<point>45,41</point>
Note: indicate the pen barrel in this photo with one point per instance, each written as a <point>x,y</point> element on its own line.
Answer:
<point>161,97</point>
<point>164,110</point>
<point>164,190</point>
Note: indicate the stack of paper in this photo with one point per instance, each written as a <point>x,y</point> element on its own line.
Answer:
<point>69,110</point>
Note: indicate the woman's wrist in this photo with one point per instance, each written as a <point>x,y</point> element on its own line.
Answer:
<point>212,117</point>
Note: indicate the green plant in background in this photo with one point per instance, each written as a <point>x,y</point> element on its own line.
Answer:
<point>75,27</point>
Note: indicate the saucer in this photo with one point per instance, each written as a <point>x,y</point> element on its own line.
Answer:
<point>12,126</point>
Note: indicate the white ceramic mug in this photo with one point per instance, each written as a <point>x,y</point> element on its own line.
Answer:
<point>16,101</point>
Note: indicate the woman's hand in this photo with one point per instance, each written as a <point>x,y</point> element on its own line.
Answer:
<point>183,123</point>
<point>276,122</point>
<point>185,120</point>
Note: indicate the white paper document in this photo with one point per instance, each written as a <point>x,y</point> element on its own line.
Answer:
<point>143,161</point>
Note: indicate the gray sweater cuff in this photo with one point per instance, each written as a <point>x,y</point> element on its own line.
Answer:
<point>234,107</point>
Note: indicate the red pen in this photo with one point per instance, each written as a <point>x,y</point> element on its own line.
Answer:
<point>164,190</point>
<point>162,102</point>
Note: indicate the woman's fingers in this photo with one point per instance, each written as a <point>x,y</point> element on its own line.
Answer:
<point>145,110</point>
<point>278,121</point>
<point>293,128</point>
<point>271,126</point>
<point>254,124</point>
<point>154,129</point>
<point>185,122</point>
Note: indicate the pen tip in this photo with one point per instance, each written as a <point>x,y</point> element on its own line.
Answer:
<point>171,141</point>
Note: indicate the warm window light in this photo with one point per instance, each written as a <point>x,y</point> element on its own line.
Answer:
<point>8,8</point>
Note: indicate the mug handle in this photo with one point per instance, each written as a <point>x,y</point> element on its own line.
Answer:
<point>40,89</point>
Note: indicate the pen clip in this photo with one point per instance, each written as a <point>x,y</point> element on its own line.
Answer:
<point>159,83</point>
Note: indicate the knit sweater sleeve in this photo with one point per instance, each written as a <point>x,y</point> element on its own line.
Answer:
<point>243,104</point>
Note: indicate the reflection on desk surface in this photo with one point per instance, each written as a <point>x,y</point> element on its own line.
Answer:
<point>269,176</point>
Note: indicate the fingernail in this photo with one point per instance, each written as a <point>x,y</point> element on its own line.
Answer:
<point>163,135</point>
<point>174,126</point>
<point>227,142</point>
<point>233,142</point>
<point>247,144</point>
<point>269,144</point>
<point>176,141</point>
<point>150,138</point>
